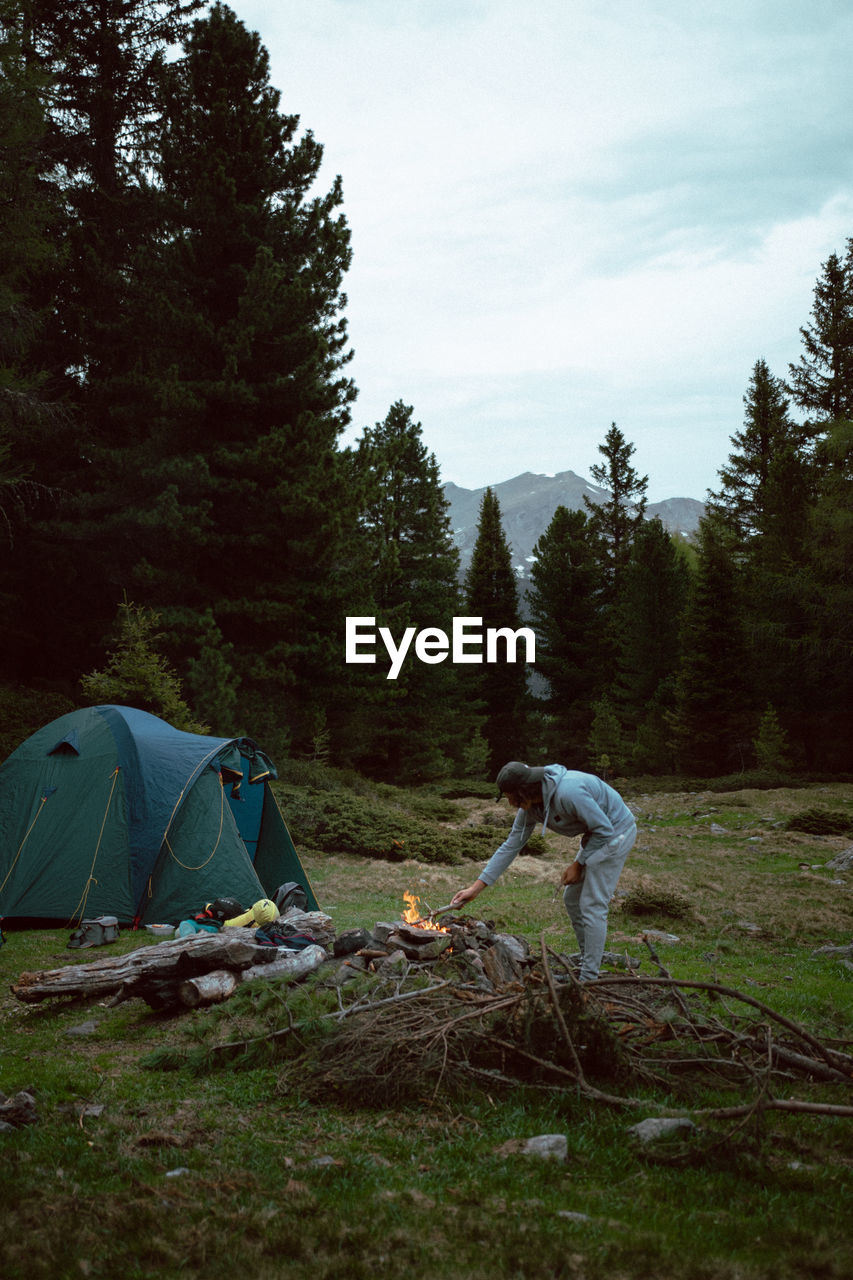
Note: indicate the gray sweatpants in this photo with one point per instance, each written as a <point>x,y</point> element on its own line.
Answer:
<point>588,901</point>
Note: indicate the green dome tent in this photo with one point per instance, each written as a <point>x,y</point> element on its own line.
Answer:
<point>110,811</point>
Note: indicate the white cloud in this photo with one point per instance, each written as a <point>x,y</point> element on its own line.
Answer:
<point>565,214</point>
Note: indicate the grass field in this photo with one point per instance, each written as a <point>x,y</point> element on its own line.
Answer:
<point>252,1172</point>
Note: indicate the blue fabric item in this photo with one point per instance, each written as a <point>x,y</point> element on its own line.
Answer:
<point>159,765</point>
<point>111,810</point>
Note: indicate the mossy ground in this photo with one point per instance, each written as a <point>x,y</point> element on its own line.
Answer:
<point>161,1174</point>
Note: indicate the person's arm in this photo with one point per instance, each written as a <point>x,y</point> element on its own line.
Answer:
<point>469,894</point>
<point>520,833</point>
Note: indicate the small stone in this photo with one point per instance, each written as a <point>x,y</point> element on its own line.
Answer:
<point>518,949</point>
<point>549,1146</point>
<point>656,1127</point>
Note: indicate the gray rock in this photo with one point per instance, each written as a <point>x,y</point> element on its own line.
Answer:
<point>549,1146</point>
<point>842,861</point>
<point>396,962</point>
<point>835,953</point>
<point>517,948</point>
<point>656,1127</point>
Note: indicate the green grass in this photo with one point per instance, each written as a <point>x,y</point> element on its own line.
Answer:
<point>244,1173</point>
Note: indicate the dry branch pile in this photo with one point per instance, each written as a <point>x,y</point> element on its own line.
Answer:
<point>395,1042</point>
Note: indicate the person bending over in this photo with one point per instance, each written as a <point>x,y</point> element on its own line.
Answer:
<point>570,803</point>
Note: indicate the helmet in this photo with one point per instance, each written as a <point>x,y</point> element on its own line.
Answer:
<point>225,908</point>
<point>264,912</point>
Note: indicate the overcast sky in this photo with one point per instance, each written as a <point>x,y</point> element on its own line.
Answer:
<point>567,213</point>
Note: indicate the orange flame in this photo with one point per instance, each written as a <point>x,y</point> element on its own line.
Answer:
<point>412,915</point>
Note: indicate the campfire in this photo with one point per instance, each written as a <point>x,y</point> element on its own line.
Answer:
<point>413,917</point>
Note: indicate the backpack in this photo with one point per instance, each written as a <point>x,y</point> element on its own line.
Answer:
<point>94,933</point>
<point>288,895</point>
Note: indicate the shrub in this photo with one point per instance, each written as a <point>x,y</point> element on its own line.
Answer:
<point>648,898</point>
<point>821,822</point>
<point>330,822</point>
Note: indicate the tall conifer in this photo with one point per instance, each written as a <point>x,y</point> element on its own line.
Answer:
<point>491,593</point>
<point>821,382</point>
<point>419,725</point>
<point>565,607</point>
<point>713,714</point>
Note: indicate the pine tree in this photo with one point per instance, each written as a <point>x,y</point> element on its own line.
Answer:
<point>138,675</point>
<point>713,706</point>
<point>491,593</point>
<point>417,726</point>
<point>771,745</point>
<point>615,520</point>
<point>650,613</point>
<point>767,432</point>
<point>822,726</point>
<point>606,741</point>
<point>98,67</point>
<point>564,600</point>
<point>821,382</point>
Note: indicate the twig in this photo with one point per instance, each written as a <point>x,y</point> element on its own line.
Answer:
<point>587,1089</point>
<point>718,989</point>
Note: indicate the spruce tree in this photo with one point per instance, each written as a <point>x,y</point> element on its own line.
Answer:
<point>821,382</point>
<point>491,593</point>
<point>99,67</point>
<point>417,726</point>
<point>713,708</point>
<point>564,601</point>
<point>248,417</point>
<point>606,742</point>
<point>822,728</point>
<point>138,675</point>
<point>650,613</point>
<point>767,432</point>
<point>615,520</point>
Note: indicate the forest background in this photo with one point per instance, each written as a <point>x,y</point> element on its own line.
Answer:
<point>184,532</point>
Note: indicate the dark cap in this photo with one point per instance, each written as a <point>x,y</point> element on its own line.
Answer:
<point>515,775</point>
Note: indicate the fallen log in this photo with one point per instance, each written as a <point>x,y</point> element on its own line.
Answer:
<point>163,963</point>
<point>208,988</point>
<point>291,966</point>
<point>218,985</point>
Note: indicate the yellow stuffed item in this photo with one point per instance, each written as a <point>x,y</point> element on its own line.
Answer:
<point>262,912</point>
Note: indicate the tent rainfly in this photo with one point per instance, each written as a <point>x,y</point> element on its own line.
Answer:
<point>111,811</point>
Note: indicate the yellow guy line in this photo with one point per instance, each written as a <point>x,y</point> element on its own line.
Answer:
<point>186,865</point>
<point>77,913</point>
<point>23,842</point>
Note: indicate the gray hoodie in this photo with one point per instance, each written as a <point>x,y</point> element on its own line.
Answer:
<point>573,804</point>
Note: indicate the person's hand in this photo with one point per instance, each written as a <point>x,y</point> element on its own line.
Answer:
<point>468,894</point>
<point>573,873</point>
